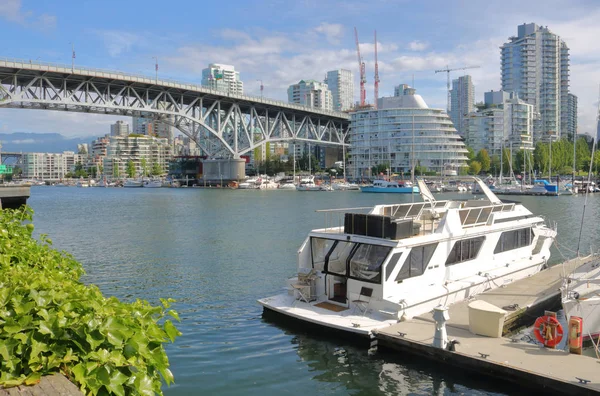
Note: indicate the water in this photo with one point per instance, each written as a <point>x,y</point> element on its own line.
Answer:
<point>217,252</point>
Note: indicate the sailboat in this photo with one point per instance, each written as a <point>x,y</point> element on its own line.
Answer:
<point>580,291</point>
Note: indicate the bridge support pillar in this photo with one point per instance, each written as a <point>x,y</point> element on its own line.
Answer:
<point>223,171</point>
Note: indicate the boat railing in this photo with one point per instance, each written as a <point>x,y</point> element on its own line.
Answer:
<point>334,218</point>
<point>477,216</point>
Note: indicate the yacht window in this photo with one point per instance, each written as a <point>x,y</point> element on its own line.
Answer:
<point>464,250</point>
<point>391,265</point>
<point>515,239</point>
<point>365,263</point>
<point>336,261</point>
<point>319,248</point>
<point>416,262</point>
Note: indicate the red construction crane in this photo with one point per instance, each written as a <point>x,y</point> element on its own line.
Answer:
<point>361,68</point>
<point>376,74</point>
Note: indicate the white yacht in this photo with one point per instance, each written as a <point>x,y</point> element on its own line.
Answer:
<point>268,184</point>
<point>152,183</point>
<point>249,184</point>
<point>308,184</point>
<point>399,261</point>
<point>580,296</point>
<point>132,183</point>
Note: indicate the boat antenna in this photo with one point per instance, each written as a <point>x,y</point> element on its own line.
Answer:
<point>589,182</point>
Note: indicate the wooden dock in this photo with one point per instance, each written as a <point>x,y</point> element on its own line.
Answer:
<point>516,361</point>
<point>50,385</point>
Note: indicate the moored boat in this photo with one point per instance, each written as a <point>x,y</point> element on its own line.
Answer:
<point>580,296</point>
<point>132,183</point>
<point>384,186</point>
<point>398,261</point>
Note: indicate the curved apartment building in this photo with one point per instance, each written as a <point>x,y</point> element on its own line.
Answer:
<point>404,132</point>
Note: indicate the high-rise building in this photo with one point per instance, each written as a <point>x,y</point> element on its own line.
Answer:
<point>222,78</point>
<point>311,93</point>
<point>152,127</point>
<point>535,65</point>
<point>505,122</point>
<point>50,166</point>
<point>120,150</point>
<point>571,118</point>
<point>462,102</point>
<point>341,85</point>
<point>119,128</point>
<point>401,134</point>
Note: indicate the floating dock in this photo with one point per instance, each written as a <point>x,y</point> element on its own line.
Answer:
<point>548,370</point>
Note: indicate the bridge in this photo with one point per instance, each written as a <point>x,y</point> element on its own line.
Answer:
<point>222,125</point>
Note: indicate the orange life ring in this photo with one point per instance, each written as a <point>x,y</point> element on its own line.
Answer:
<point>543,330</point>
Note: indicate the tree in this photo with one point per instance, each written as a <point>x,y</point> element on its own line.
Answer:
<point>156,169</point>
<point>144,164</point>
<point>377,169</point>
<point>101,169</point>
<point>131,171</point>
<point>495,164</point>
<point>116,172</point>
<point>470,154</point>
<point>484,158</point>
<point>475,167</point>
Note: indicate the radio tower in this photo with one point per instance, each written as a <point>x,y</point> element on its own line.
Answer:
<point>361,68</point>
<point>376,74</point>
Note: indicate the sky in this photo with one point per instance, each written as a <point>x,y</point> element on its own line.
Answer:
<point>281,42</point>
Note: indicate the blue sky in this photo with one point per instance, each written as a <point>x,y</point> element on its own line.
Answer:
<point>281,42</point>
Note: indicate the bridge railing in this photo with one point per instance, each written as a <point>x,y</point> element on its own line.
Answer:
<point>164,82</point>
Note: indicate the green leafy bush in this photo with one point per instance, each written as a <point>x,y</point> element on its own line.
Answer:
<point>51,322</point>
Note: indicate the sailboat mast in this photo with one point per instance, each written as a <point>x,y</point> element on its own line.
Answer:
<point>294,174</point>
<point>412,151</point>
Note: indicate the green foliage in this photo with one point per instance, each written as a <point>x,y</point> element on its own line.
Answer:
<point>420,170</point>
<point>495,164</point>
<point>144,165</point>
<point>131,169</point>
<point>51,322</point>
<point>484,159</point>
<point>475,167</point>
<point>470,154</point>
<point>116,172</point>
<point>377,169</point>
<point>80,172</point>
<point>156,169</point>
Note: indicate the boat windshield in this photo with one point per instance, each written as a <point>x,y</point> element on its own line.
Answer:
<point>319,248</point>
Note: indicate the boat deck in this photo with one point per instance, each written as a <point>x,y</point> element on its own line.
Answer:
<point>516,361</point>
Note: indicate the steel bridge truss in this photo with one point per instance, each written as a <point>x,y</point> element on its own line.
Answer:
<point>221,126</point>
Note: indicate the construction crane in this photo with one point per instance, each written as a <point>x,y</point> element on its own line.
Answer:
<point>376,74</point>
<point>447,71</point>
<point>361,68</point>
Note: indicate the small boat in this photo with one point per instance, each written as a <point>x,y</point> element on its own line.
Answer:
<point>132,183</point>
<point>83,183</point>
<point>288,185</point>
<point>267,184</point>
<point>580,296</point>
<point>384,186</point>
<point>397,261</point>
<point>308,184</point>
<point>345,186</point>
<point>152,183</point>
<point>250,184</point>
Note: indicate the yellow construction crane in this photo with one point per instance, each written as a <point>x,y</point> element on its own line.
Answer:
<point>447,71</point>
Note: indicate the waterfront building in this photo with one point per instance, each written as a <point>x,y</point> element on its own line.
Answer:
<point>311,93</point>
<point>535,65</point>
<point>504,121</point>
<point>401,134</point>
<point>122,149</point>
<point>120,128</point>
<point>50,166</point>
<point>341,84</point>
<point>462,102</point>
<point>571,118</point>
<point>152,127</point>
<point>222,78</point>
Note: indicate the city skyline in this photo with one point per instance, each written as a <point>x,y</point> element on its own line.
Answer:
<point>299,45</point>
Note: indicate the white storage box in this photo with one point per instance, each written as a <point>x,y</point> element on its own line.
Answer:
<point>486,319</point>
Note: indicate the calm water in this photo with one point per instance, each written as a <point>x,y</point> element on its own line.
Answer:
<point>217,252</point>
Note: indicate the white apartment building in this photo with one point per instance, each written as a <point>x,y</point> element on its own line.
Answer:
<point>120,150</point>
<point>119,128</point>
<point>505,122</point>
<point>311,93</point>
<point>403,133</point>
<point>535,65</point>
<point>462,102</point>
<point>50,166</point>
<point>152,127</point>
<point>222,78</point>
<point>341,84</point>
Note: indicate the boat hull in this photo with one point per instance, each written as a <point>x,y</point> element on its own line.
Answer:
<point>401,190</point>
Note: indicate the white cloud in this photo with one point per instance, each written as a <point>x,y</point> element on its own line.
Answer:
<point>417,45</point>
<point>23,141</point>
<point>118,42</point>
<point>12,11</point>
<point>333,32</point>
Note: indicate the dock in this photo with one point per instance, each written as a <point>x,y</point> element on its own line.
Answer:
<point>13,196</point>
<point>544,369</point>
<point>50,385</point>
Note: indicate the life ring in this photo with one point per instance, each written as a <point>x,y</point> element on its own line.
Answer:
<point>543,330</point>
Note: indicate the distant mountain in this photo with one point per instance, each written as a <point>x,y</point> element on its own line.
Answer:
<point>39,142</point>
